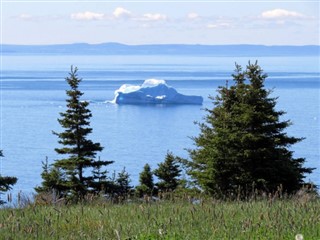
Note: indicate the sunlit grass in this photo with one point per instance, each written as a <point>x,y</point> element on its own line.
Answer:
<point>170,219</point>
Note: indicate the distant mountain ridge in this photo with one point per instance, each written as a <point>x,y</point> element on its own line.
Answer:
<point>160,49</point>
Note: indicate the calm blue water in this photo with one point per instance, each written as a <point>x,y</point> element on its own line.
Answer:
<point>33,94</point>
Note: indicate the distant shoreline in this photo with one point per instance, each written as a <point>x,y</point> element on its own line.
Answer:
<point>242,50</point>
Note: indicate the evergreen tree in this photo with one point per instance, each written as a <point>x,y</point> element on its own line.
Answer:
<point>168,173</point>
<point>53,180</point>
<point>102,183</point>
<point>123,182</point>
<point>243,142</point>
<point>146,181</point>
<point>6,183</point>
<point>79,151</point>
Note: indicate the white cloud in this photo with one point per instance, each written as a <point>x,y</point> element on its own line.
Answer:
<point>120,12</point>
<point>39,18</point>
<point>25,16</point>
<point>87,16</point>
<point>193,15</point>
<point>219,25</point>
<point>154,17</point>
<point>117,14</point>
<point>280,14</point>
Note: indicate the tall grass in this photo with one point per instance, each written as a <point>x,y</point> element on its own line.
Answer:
<point>167,219</point>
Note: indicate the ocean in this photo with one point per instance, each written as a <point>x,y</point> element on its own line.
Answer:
<point>33,94</point>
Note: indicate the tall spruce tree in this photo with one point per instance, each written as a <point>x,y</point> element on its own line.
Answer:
<point>80,152</point>
<point>168,173</point>
<point>6,183</point>
<point>243,142</point>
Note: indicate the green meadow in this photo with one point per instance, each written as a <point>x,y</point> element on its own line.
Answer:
<point>175,218</point>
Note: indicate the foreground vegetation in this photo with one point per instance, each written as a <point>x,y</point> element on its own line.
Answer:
<point>175,218</point>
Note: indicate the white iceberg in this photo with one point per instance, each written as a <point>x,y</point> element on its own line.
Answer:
<point>152,91</point>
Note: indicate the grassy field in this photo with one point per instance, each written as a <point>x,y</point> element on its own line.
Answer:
<point>171,219</point>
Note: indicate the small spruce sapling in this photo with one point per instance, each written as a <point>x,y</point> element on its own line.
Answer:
<point>168,173</point>
<point>146,185</point>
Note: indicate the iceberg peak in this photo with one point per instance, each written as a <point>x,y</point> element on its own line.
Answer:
<point>152,82</point>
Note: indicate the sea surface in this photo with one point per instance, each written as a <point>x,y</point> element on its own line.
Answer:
<point>33,94</point>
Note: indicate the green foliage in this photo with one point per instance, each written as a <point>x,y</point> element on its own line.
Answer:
<point>146,181</point>
<point>168,173</point>
<point>146,177</point>
<point>176,219</point>
<point>6,183</point>
<point>79,151</point>
<point>243,143</point>
<point>122,183</point>
<point>53,179</point>
<point>103,183</point>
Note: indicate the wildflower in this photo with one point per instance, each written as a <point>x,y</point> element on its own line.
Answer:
<point>299,237</point>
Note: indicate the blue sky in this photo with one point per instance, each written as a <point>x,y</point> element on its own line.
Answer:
<point>148,22</point>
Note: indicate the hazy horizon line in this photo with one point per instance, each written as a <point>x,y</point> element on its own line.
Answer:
<point>163,44</point>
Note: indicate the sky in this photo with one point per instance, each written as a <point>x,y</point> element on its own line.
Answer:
<point>160,22</point>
